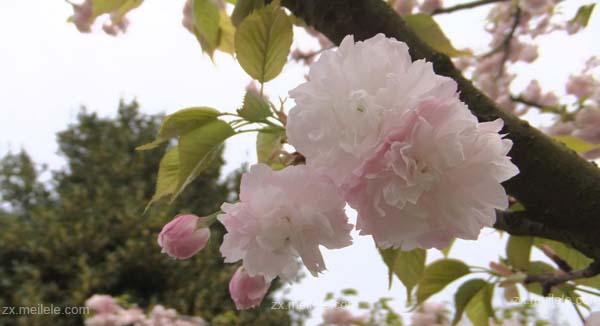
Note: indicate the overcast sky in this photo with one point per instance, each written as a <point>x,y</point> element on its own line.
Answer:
<point>48,71</point>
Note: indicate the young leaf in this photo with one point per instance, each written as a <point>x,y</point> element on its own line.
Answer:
<point>439,274</point>
<point>206,22</point>
<point>262,42</point>
<point>181,122</point>
<point>431,33</point>
<point>226,33</point>
<point>255,108</point>
<point>408,266</point>
<point>583,14</point>
<point>268,142</point>
<point>244,8</point>
<point>168,176</point>
<point>479,309</point>
<point>518,250</point>
<point>463,296</point>
<point>198,148</point>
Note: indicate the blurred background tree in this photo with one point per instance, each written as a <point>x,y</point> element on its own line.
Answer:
<point>84,231</point>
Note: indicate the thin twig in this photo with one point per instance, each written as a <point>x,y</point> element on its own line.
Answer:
<point>547,281</point>
<point>462,6</point>
<point>505,46</point>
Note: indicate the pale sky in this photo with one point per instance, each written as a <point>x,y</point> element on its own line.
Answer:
<point>48,71</point>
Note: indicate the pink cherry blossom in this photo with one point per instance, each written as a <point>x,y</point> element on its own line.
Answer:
<point>404,7</point>
<point>533,91</point>
<point>430,314</point>
<point>182,237</point>
<point>102,303</point>
<point>437,177</point>
<point>403,150</point>
<point>429,6</point>
<point>83,17</point>
<point>342,317</point>
<point>283,215</point>
<point>581,85</point>
<point>587,122</point>
<point>593,319</point>
<point>247,291</point>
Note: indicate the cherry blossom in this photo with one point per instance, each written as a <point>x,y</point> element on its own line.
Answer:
<point>339,316</point>
<point>183,237</point>
<point>283,215</point>
<point>247,291</point>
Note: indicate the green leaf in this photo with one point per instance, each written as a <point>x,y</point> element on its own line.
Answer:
<point>198,148</point>
<point>243,8</point>
<point>262,42</point>
<point>206,22</point>
<point>226,33</point>
<point>431,33</point>
<point>577,144</point>
<point>349,292</point>
<point>329,296</point>
<point>583,14</point>
<point>408,266</point>
<point>168,175</point>
<point>464,294</point>
<point>439,274</point>
<point>100,7</point>
<point>268,142</point>
<point>181,122</point>
<point>518,251</point>
<point>479,309</point>
<point>574,258</point>
<point>255,108</point>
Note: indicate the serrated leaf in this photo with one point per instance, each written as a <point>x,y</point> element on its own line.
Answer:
<point>262,42</point>
<point>431,33</point>
<point>583,14</point>
<point>243,8</point>
<point>255,108</point>
<point>479,310</point>
<point>168,175</point>
<point>577,144</point>
<point>439,274</point>
<point>198,148</point>
<point>268,142</point>
<point>408,266</point>
<point>518,251</point>
<point>206,22</point>
<point>464,294</point>
<point>181,122</point>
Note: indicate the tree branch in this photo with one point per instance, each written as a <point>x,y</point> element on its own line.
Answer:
<point>462,6</point>
<point>547,281</point>
<point>558,187</point>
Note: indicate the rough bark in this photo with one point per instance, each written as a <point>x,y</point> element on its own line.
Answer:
<point>560,190</point>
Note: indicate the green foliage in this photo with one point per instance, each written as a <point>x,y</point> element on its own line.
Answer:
<point>255,108</point>
<point>518,250</point>
<point>479,309</point>
<point>199,148</point>
<point>268,142</point>
<point>464,294</point>
<point>206,22</point>
<point>431,33</point>
<point>168,175</point>
<point>583,14</point>
<point>243,8</point>
<point>262,42</point>
<point>86,233</point>
<point>439,274</point>
<point>181,122</point>
<point>408,266</point>
<point>121,7</point>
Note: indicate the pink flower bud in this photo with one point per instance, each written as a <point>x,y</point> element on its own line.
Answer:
<point>181,238</point>
<point>429,6</point>
<point>533,92</point>
<point>404,7</point>
<point>581,85</point>
<point>102,304</point>
<point>247,291</point>
<point>83,17</point>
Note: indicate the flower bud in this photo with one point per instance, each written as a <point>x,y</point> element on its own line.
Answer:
<point>182,238</point>
<point>247,291</point>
